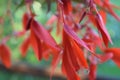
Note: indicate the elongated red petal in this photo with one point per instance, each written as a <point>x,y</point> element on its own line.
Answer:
<point>74,59</point>
<point>36,45</point>
<point>69,70</point>
<point>80,55</point>
<point>97,20</point>
<point>24,47</point>
<point>74,36</point>
<point>103,30</point>
<point>44,35</point>
<point>5,55</point>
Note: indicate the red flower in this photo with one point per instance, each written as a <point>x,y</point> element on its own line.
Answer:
<point>100,24</point>
<point>40,39</point>
<point>72,52</point>
<point>73,56</point>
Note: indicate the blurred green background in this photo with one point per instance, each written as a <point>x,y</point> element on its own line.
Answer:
<point>17,10</point>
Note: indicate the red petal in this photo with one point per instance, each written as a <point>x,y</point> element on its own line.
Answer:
<point>24,47</point>
<point>36,45</point>
<point>74,59</point>
<point>46,54</point>
<point>101,27</point>
<point>80,55</point>
<point>67,6</point>
<point>5,55</point>
<point>69,70</point>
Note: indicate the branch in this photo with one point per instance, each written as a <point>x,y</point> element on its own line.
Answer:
<point>25,68</point>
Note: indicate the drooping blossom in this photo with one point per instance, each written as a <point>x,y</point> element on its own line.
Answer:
<point>73,58</point>
<point>40,39</point>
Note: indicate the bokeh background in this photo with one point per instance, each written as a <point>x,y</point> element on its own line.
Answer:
<point>12,11</point>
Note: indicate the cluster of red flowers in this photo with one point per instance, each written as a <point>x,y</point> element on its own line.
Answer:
<point>76,53</point>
